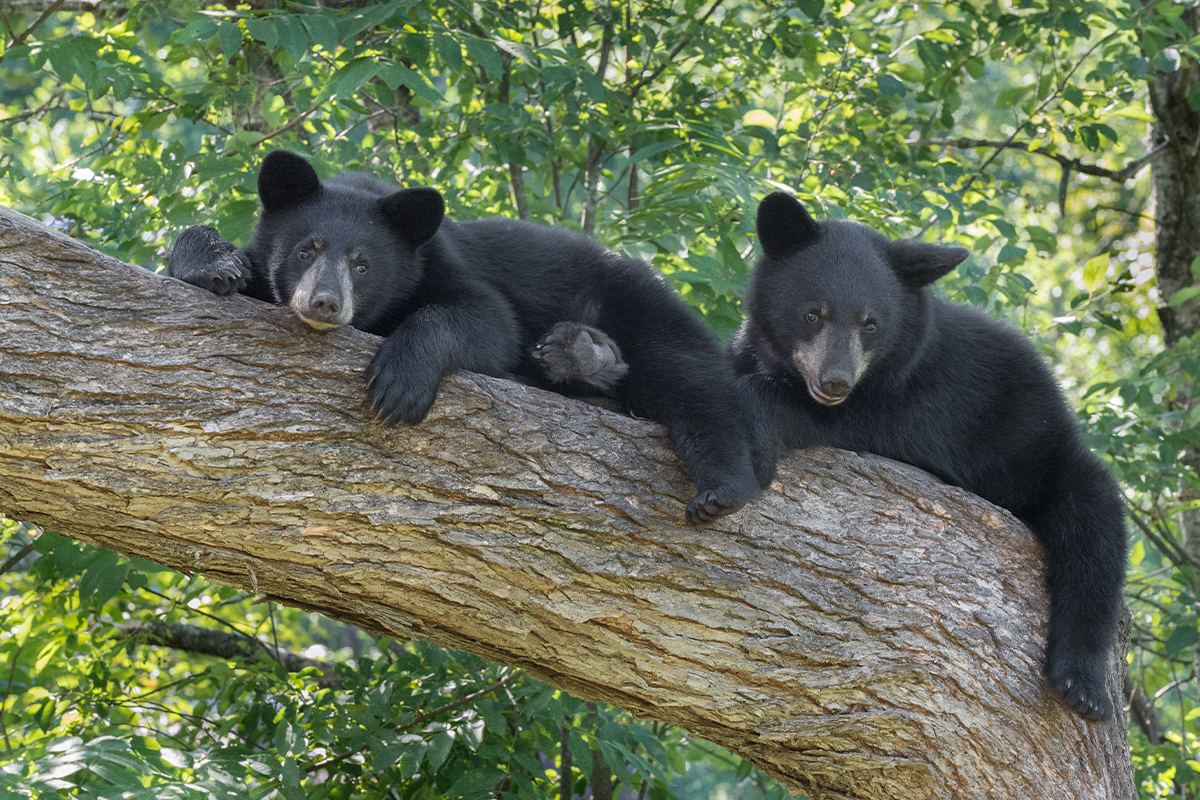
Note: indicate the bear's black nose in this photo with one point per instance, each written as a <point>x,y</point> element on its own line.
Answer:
<point>325,306</point>
<point>836,386</point>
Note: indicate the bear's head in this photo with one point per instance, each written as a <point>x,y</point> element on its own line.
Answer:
<point>829,300</point>
<point>346,251</point>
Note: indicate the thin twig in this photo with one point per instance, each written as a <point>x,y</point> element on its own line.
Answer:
<point>55,98</point>
<point>645,81</point>
<point>1167,546</point>
<point>12,672</point>
<point>20,40</point>
<point>1073,164</point>
<point>428,715</point>
<point>12,562</point>
<point>566,778</point>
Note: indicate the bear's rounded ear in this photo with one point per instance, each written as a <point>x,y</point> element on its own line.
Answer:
<point>784,226</point>
<point>920,263</point>
<point>285,179</point>
<point>416,214</point>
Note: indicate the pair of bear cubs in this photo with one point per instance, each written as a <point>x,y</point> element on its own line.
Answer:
<point>843,346</point>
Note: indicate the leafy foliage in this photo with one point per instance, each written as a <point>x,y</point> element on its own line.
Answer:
<point>1013,128</point>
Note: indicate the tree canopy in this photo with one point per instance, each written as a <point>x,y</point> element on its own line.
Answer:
<point>1028,132</point>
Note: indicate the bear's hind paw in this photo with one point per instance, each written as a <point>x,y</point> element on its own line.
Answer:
<point>572,352</point>
<point>1083,691</point>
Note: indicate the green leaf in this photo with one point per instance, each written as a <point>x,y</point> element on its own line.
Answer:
<point>1184,636</point>
<point>70,57</point>
<point>322,30</point>
<point>450,51</point>
<point>653,150</point>
<point>811,8</point>
<point>890,86</point>
<point>361,70</point>
<point>439,749</point>
<point>290,772</point>
<point>1042,239</point>
<point>230,36</point>
<point>410,762</point>
<point>104,576</point>
<point>1010,252</point>
<point>944,35</point>
<point>1195,268</point>
<point>975,67</point>
<point>1138,553</point>
<point>1167,60</point>
<point>1094,271</point>
<point>1183,295</point>
<point>1072,21</point>
<point>1007,229</point>
<point>385,757</point>
<point>293,37</point>
<point>475,781</point>
<point>517,49</point>
<point>907,72</point>
<point>483,52</point>
<point>394,74</point>
<point>580,752</point>
<point>416,48</point>
<point>593,86</point>
<point>264,31</point>
<point>1136,112</point>
<point>1010,97</point>
<point>196,31</point>
<point>356,22</point>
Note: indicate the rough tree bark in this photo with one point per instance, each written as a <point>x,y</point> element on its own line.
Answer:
<point>1176,179</point>
<point>861,631</point>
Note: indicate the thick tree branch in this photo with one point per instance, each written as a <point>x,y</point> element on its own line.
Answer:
<point>861,631</point>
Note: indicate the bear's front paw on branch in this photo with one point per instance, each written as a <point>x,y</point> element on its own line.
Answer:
<point>397,392</point>
<point>202,258</point>
<point>708,504</point>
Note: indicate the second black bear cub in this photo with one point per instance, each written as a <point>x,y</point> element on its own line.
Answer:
<point>492,296</point>
<point>845,346</point>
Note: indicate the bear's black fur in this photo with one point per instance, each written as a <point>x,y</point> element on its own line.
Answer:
<point>845,346</point>
<point>480,296</point>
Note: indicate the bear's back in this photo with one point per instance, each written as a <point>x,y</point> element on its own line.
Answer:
<point>548,274</point>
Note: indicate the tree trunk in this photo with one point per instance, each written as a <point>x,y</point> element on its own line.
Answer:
<point>860,631</point>
<point>1176,179</point>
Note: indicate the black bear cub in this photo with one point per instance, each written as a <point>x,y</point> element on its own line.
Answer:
<point>493,296</point>
<point>845,346</point>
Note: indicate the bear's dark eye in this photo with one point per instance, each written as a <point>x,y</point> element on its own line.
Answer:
<point>870,326</point>
<point>361,268</point>
<point>303,255</point>
<point>811,318</point>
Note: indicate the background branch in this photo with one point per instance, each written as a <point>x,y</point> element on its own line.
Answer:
<point>1119,175</point>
